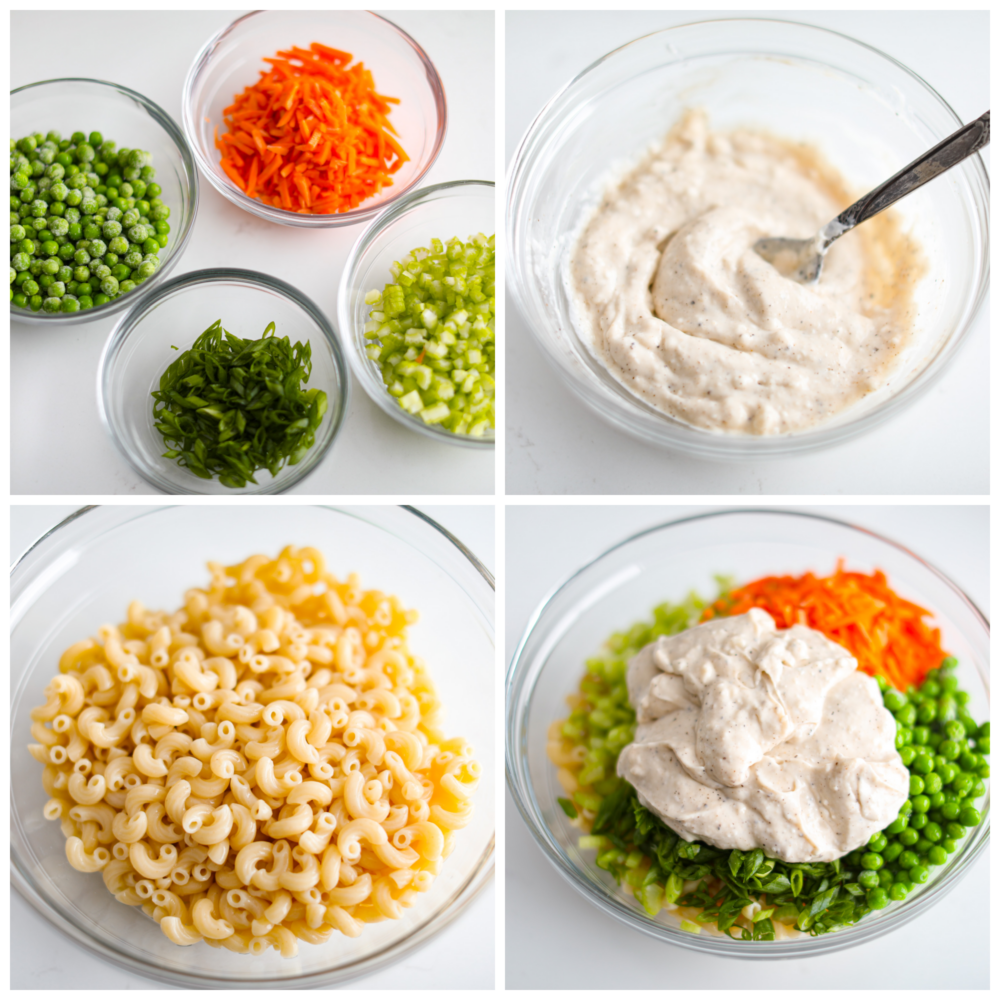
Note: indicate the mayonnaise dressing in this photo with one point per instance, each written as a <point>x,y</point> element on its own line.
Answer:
<point>670,297</point>
<point>749,736</point>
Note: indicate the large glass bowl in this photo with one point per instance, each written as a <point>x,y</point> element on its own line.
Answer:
<point>140,348</point>
<point>868,114</point>
<point>133,122</point>
<point>233,58</point>
<point>664,563</point>
<point>457,208</point>
<point>84,573</point>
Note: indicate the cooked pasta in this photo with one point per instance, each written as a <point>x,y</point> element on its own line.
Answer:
<point>261,766</point>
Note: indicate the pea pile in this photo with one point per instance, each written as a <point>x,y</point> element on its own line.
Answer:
<point>86,221</point>
<point>939,742</point>
<point>945,752</point>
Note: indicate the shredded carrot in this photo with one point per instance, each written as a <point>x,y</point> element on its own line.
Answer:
<point>886,634</point>
<point>312,135</point>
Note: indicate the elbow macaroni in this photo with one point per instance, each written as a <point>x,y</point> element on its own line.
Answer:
<point>261,766</point>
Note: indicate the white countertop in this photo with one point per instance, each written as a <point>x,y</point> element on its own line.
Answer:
<point>556,445</point>
<point>548,924</point>
<point>57,443</point>
<point>461,956</point>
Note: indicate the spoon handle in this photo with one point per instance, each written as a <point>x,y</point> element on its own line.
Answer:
<point>966,141</point>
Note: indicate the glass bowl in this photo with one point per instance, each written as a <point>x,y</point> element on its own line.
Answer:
<point>458,208</point>
<point>232,59</point>
<point>139,350</point>
<point>85,571</point>
<point>665,563</point>
<point>132,121</point>
<point>868,114</point>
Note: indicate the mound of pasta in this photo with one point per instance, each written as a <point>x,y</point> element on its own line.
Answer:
<point>264,764</point>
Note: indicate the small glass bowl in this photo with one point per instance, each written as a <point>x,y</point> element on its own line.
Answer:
<point>867,113</point>
<point>444,211</point>
<point>139,350</point>
<point>86,570</point>
<point>665,563</point>
<point>232,59</point>
<point>134,122</point>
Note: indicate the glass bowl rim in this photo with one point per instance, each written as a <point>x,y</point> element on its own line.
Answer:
<point>518,780</point>
<point>482,874</point>
<point>358,363</point>
<point>672,434</point>
<point>134,315</point>
<point>179,139</point>
<point>279,215</point>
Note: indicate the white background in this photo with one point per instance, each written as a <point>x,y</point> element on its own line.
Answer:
<point>556,445</point>
<point>548,924</point>
<point>57,442</point>
<point>460,957</point>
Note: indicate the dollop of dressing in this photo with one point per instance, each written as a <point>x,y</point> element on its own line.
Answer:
<point>671,298</point>
<point>749,736</point>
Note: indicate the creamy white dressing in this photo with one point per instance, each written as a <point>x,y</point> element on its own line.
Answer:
<point>672,300</point>
<point>749,736</point>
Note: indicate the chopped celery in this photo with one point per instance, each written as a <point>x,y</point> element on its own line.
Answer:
<point>433,334</point>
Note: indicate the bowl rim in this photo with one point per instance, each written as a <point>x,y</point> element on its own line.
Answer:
<point>128,322</point>
<point>673,434</point>
<point>358,362</point>
<point>480,876</point>
<point>516,773</point>
<point>279,215</point>
<point>187,158</point>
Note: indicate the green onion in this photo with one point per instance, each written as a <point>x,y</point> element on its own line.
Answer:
<point>432,334</point>
<point>228,407</point>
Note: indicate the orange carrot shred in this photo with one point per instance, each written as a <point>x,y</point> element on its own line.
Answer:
<point>311,120</point>
<point>886,634</point>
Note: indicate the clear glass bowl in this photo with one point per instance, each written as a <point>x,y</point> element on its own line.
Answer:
<point>867,113</point>
<point>133,122</point>
<point>84,573</point>
<point>139,350</point>
<point>458,208</point>
<point>232,59</point>
<point>664,563</point>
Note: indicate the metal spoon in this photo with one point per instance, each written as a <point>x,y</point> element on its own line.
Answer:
<point>802,260</point>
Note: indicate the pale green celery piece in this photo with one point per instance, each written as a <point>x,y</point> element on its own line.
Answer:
<point>411,402</point>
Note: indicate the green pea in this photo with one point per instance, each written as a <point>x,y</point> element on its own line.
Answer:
<point>937,855</point>
<point>100,299</point>
<point>908,859</point>
<point>878,899</point>
<point>950,845</point>
<point>877,842</point>
<point>969,816</point>
<point>908,837</point>
<point>933,832</point>
<point>896,826</point>
<point>933,783</point>
<point>983,744</point>
<point>919,874</point>
<point>963,783</point>
<point>921,734</point>
<point>919,819</point>
<point>898,892</point>
<point>868,879</point>
<point>920,804</point>
<point>892,851</point>
<point>956,831</point>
